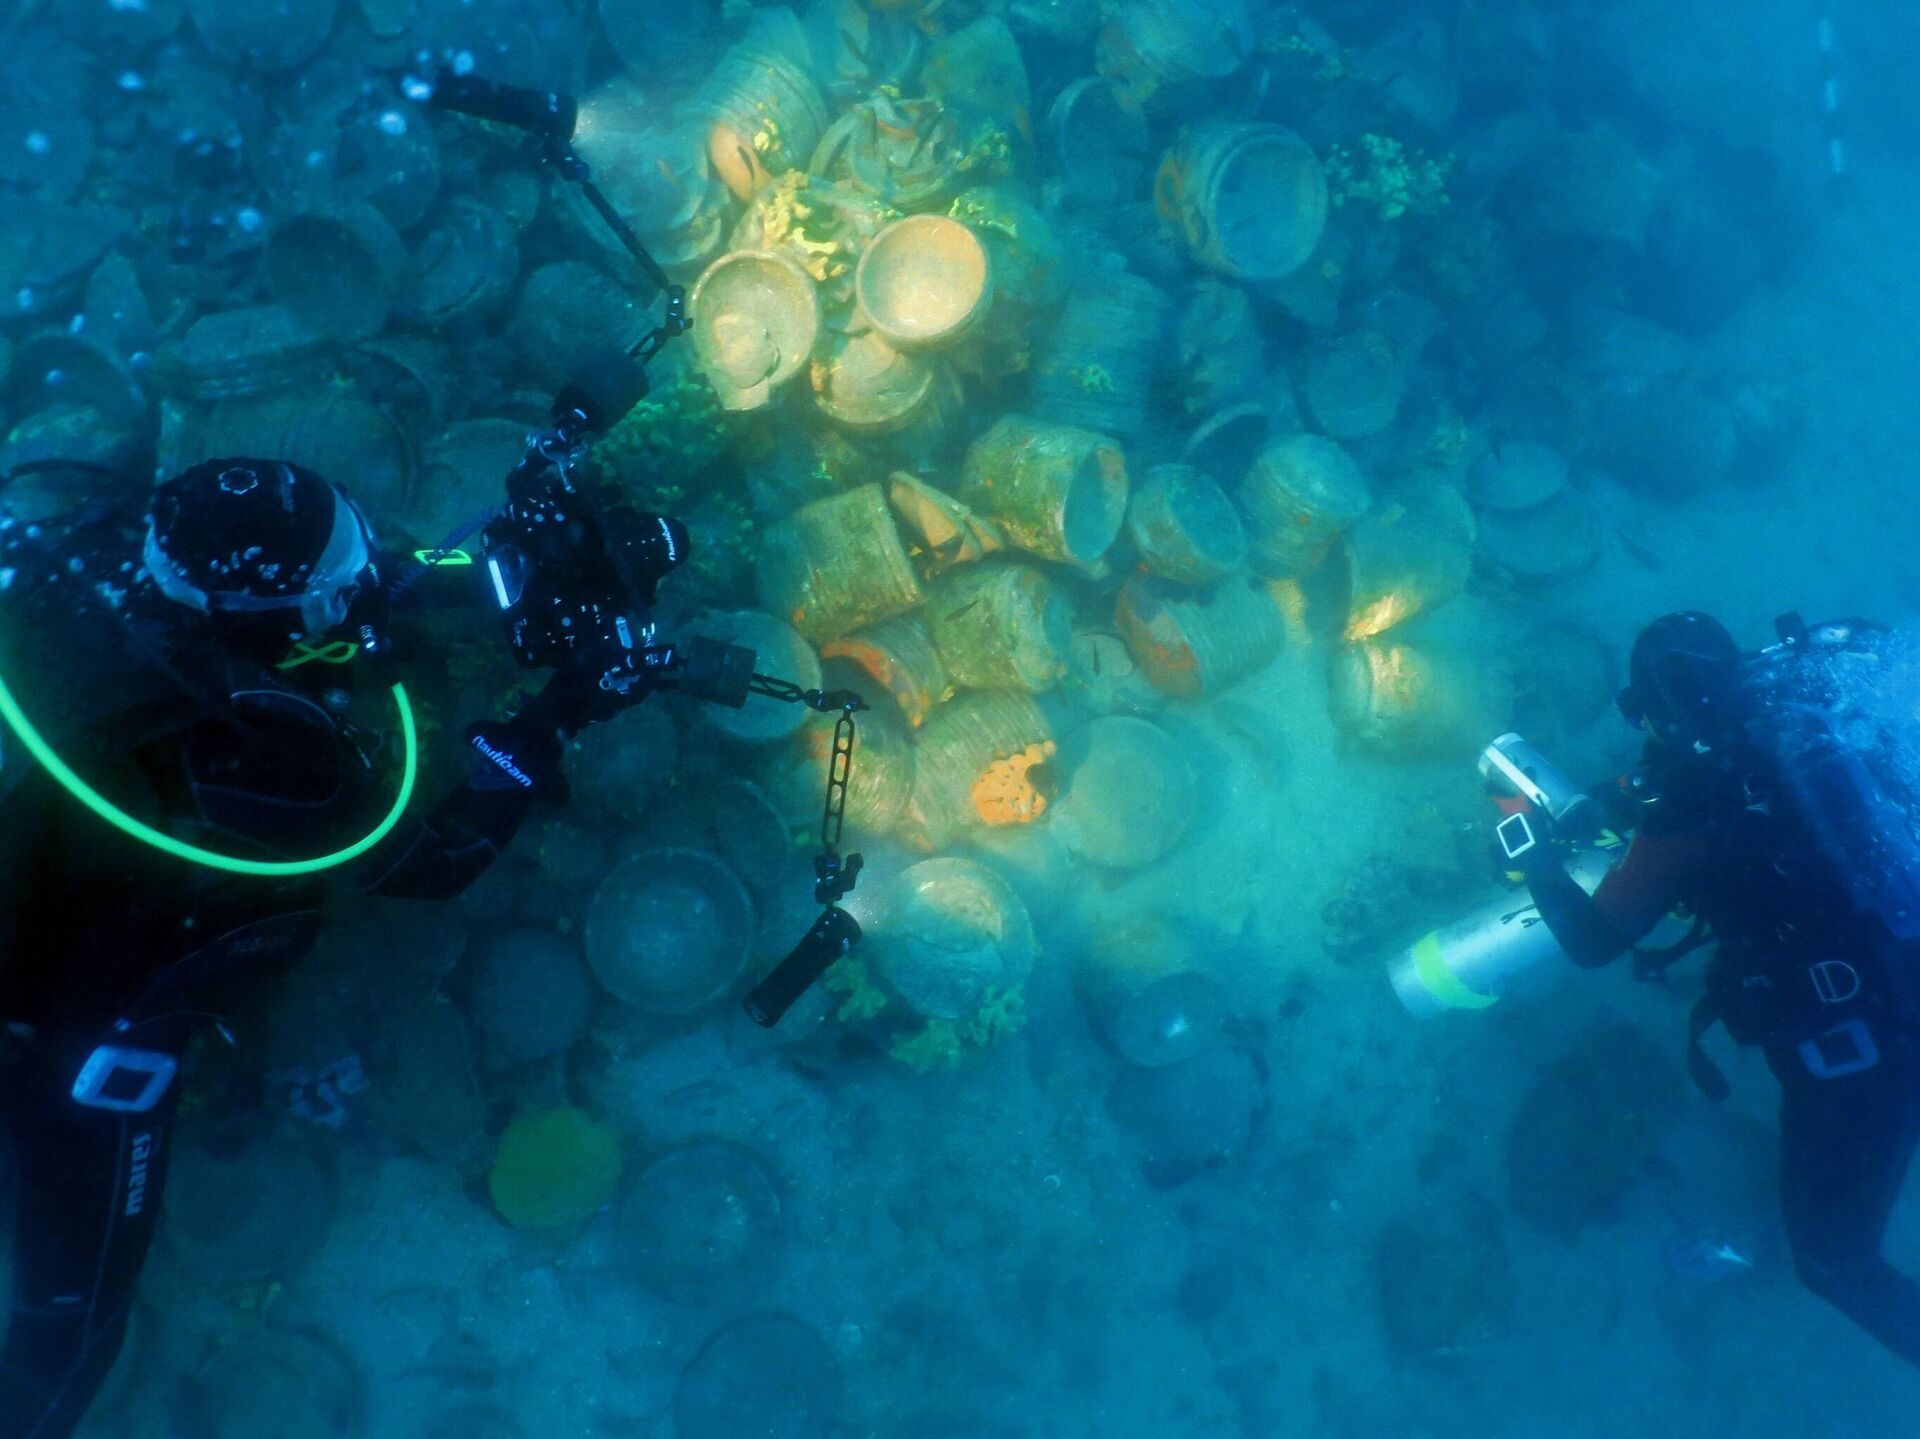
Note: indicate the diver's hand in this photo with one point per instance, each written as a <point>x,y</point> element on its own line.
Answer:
<point>519,753</point>
<point>1529,843</point>
<point>597,687</point>
<point>525,751</point>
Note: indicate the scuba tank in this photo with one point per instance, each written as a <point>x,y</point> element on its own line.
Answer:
<point>1470,963</point>
<point>1834,711</point>
<point>1835,715</point>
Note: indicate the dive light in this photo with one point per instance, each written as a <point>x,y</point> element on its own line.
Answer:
<point>1511,764</point>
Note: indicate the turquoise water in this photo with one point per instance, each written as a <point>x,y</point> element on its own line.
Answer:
<point>1113,1125</point>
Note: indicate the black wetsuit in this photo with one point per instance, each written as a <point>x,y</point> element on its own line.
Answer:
<point>107,941</point>
<point>1800,973</point>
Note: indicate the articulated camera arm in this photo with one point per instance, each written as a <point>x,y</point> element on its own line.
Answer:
<point>551,118</point>
<point>573,602</point>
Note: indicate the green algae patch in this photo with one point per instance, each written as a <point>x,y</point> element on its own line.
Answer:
<point>554,1168</point>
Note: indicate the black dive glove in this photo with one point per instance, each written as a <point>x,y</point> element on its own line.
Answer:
<point>525,751</point>
<point>520,753</point>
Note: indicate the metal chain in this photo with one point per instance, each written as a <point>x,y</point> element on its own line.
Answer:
<point>834,879</point>
<point>839,772</point>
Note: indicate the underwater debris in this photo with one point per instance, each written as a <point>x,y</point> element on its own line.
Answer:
<point>957,947</point>
<point>757,319</point>
<point>1127,794</point>
<point>1056,491</point>
<point>1250,200</point>
<point>1301,493</point>
<point>838,565</point>
<point>1001,626</point>
<point>763,111</point>
<point>1197,642</point>
<point>1184,526</point>
<point>1412,553</point>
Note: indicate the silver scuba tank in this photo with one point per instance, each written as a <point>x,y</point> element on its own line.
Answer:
<point>1469,964</point>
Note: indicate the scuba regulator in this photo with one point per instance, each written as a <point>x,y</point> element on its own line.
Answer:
<point>577,584</point>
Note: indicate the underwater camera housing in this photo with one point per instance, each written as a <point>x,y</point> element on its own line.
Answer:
<point>1470,963</point>
<point>576,584</point>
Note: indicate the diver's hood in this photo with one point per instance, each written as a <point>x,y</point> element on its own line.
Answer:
<point>316,597</point>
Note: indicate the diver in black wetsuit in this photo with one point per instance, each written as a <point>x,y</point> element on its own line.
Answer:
<point>230,732</point>
<point>1801,970</point>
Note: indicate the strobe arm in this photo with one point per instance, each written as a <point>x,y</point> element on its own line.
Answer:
<point>575,169</point>
<point>552,118</point>
<point>724,674</point>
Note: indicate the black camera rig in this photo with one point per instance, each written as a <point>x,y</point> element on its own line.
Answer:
<point>577,583</point>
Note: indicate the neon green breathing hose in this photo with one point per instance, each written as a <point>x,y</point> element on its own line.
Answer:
<point>42,752</point>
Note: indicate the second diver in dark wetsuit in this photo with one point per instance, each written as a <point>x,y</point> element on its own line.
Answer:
<point>110,948</point>
<point>1800,970</point>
